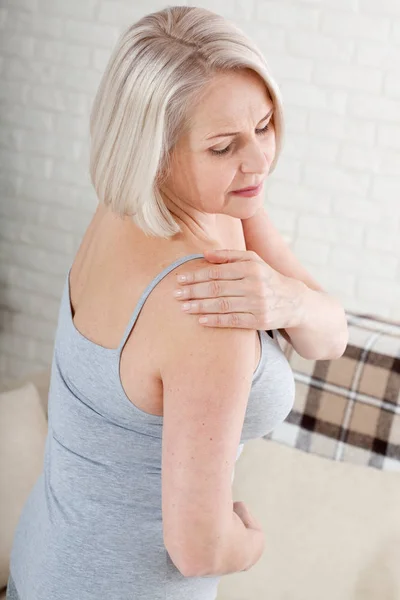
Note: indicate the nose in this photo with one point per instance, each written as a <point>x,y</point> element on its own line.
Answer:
<point>255,159</point>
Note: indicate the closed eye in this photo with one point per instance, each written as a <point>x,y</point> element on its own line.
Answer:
<point>225,150</point>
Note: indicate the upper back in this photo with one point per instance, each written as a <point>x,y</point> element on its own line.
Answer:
<point>113,266</point>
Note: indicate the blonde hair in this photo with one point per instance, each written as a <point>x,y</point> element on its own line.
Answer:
<point>157,70</point>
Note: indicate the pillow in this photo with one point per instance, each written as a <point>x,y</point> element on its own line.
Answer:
<point>332,529</point>
<point>40,379</point>
<point>348,409</point>
<point>23,430</point>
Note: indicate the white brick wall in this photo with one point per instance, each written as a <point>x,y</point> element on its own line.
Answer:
<point>335,194</point>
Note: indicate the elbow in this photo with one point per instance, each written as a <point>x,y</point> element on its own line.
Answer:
<point>196,571</point>
<point>339,352</point>
<point>333,354</point>
<point>195,568</point>
<point>341,345</point>
<point>192,563</point>
<point>334,351</point>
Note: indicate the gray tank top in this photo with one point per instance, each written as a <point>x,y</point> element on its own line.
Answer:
<point>92,524</point>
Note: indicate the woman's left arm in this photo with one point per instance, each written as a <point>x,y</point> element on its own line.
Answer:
<point>266,287</point>
<point>322,332</point>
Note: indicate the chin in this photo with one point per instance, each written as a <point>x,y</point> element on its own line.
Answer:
<point>246,210</point>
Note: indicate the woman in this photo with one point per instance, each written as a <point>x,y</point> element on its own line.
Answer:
<point>149,409</point>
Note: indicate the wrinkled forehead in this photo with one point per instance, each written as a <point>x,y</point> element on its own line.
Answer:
<point>229,103</point>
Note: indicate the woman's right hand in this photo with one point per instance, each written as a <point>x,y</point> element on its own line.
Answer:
<point>243,513</point>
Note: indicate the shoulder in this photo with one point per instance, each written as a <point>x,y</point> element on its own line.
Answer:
<point>164,291</point>
<point>182,334</point>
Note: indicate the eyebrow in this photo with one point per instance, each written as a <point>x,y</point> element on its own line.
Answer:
<point>237,132</point>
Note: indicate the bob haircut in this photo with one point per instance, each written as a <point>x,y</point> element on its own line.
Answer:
<point>156,72</point>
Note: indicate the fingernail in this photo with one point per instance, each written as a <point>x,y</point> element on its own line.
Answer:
<point>178,293</point>
<point>182,278</point>
<point>186,306</point>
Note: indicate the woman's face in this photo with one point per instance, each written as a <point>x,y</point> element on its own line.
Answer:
<point>207,164</point>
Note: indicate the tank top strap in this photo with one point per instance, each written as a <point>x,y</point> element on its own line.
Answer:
<point>149,288</point>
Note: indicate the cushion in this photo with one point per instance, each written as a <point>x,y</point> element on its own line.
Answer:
<point>40,379</point>
<point>332,528</point>
<point>348,409</point>
<point>23,430</point>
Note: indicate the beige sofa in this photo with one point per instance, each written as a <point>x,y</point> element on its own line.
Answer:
<point>331,520</point>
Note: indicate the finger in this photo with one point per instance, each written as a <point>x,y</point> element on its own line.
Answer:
<point>225,271</point>
<point>225,255</point>
<point>212,289</point>
<point>231,320</point>
<point>222,305</point>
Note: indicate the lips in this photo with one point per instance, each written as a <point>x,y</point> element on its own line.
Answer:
<point>249,193</point>
<point>248,189</point>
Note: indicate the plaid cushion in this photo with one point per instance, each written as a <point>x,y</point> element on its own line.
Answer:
<point>348,409</point>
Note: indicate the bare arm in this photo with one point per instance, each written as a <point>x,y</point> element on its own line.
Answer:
<point>206,375</point>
